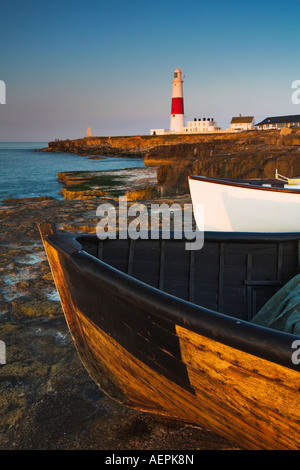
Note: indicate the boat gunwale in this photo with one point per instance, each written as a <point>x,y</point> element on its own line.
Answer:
<point>245,185</point>
<point>266,343</point>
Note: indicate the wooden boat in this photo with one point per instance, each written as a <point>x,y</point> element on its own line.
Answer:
<point>243,207</point>
<point>167,331</point>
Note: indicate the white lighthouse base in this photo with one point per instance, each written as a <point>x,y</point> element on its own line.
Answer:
<point>177,123</point>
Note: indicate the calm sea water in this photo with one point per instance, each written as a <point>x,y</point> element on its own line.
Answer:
<point>25,173</point>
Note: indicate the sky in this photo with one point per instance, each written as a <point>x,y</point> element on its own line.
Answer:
<point>109,65</point>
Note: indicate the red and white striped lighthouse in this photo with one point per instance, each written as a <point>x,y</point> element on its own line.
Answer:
<point>177,116</point>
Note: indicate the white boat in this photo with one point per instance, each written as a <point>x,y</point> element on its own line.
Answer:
<point>288,181</point>
<point>243,207</point>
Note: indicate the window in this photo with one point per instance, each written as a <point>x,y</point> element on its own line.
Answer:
<point>175,74</point>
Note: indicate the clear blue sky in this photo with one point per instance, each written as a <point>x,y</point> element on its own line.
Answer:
<point>70,64</point>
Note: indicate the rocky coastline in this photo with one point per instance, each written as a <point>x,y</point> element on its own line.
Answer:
<point>114,183</point>
<point>242,155</point>
<point>43,381</point>
<point>48,401</point>
<point>123,146</point>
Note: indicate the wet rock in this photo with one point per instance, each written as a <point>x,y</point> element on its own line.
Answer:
<point>47,399</point>
<point>35,309</point>
<point>90,184</point>
<point>26,199</point>
<point>54,415</point>
<point>143,192</point>
<point>71,195</point>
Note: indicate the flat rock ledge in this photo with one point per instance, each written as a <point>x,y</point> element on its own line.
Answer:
<point>47,399</point>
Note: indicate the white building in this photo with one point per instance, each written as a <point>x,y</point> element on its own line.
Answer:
<point>242,123</point>
<point>201,126</point>
<point>278,122</point>
<point>159,131</point>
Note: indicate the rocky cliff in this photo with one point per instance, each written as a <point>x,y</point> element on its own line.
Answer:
<point>244,155</point>
<point>255,154</point>
<point>135,146</point>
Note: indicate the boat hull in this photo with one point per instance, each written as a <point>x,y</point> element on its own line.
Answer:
<point>159,354</point>
<point>236,207</point>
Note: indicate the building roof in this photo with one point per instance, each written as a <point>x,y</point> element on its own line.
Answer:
<point>242,120</point>
<point>280,120</point>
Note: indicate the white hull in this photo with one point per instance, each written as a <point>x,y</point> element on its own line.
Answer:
<point>237,207</point>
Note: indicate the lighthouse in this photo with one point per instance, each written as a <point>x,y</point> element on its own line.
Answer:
<point>177,116</point>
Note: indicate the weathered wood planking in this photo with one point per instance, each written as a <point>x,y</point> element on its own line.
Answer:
<point>253,401</point>
<point>142,358</point>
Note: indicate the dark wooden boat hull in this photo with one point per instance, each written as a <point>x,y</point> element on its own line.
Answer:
<point>158,353</point>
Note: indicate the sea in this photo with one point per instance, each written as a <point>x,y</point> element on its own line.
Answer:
<point>27,173</point>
